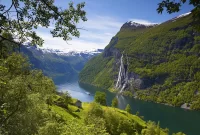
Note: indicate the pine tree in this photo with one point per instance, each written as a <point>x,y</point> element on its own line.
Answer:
<point>100,97</point>
<point>128,108</point>
<point>115,102</point>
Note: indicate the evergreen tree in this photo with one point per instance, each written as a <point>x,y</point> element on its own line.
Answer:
<point>100,97</point>
<point>128,108</point>
<point>115,102</point>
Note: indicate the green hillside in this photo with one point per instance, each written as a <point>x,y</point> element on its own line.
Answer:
<point>103,120</point>
<point>30,105</point>
<point>54,65</point>
<point>96,69</point>
<point>165,57</point>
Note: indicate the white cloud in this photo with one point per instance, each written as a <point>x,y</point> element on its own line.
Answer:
<point>141,21</point>
<point>102,23</point>
<point>75,44</point>
<point>109,34</point>
<point>98,33</point>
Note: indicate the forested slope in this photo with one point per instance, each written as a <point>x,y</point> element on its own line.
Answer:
<point>162,62</point>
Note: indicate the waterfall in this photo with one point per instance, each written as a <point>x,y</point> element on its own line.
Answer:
<point>122,76</point>
<point>121,69</point>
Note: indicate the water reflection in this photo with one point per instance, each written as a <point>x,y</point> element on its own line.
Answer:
<point>176,119</point>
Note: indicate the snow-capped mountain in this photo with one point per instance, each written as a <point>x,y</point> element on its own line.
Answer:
<point>56,63</point>
<point>136,25</point>
<point>132,23</point>
<point>180,16</point>
<point>73,52</point>
<point>91,52</point>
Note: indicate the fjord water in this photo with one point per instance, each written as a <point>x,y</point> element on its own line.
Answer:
<point>176,119</point>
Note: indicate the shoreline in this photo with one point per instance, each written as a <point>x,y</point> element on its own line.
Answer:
<point>131,95</point>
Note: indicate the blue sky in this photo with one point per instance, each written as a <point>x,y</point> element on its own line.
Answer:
<point>105,17</point>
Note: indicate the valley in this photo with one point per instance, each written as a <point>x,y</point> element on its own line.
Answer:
<point>57,64</point>
<point>103,67</point>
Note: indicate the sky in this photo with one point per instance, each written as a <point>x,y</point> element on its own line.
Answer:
<point>105,18</point>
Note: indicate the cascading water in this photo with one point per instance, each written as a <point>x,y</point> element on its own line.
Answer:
<point>122,76</point>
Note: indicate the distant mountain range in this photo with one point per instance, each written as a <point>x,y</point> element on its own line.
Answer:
<point>56,63</point>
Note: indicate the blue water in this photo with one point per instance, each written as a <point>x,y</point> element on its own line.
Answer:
<point>176,119</point>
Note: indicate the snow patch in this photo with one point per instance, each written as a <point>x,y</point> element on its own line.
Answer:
<point>66,52</point>
<point>183,15</point>
<point>133,23</point>
<point>180,16</point>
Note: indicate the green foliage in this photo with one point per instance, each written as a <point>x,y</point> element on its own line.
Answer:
<point>100,97</point>
<point>97,71</point>
<point>95,117</point>
<point>152,129</point>
<point>128,108</point>
<point>174,6</point>
<point>127,93</point>
<point>117,122</point>
<point>28,100</point>
<point>166,58</point>
<point>126,126</point>
<point>6,47</point>
<point>72,127</point>
<point>115,103</point>
<point>53,65</point>
<point>23,93</point>
<point>31,14</point>
<point>63,100</point>
<point>95,110</point>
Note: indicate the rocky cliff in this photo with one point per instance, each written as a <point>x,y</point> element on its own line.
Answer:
<point>159,63</point>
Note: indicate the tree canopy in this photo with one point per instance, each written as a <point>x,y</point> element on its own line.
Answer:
<point>128,108</point>
<point>100,97</point>
<point>115,102</point>
<point>22,17</point>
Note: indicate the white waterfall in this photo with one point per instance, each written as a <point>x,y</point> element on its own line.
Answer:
<point>122,76</point>
<point>121,69</point>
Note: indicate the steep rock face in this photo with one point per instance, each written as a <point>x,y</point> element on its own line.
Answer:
<point>127,80</point>
<point>149,55</point>
<point>124,80</point>
<point>131,25</point>
<point>159,63</point>
<point>111,50</point>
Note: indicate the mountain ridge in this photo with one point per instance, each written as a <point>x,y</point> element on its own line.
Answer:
<point>55,63</point>
<point>159,63</point>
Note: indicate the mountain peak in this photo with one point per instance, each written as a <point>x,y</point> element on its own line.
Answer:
<point>137,25</point>
<point>64,52</point>
<point>180,16</point>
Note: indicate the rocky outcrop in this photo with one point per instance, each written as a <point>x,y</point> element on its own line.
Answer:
<point>185,106</point>
<point>124,80</point>
<point>127,80</point>
<point>110,50</point>
<point>131,25</point>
